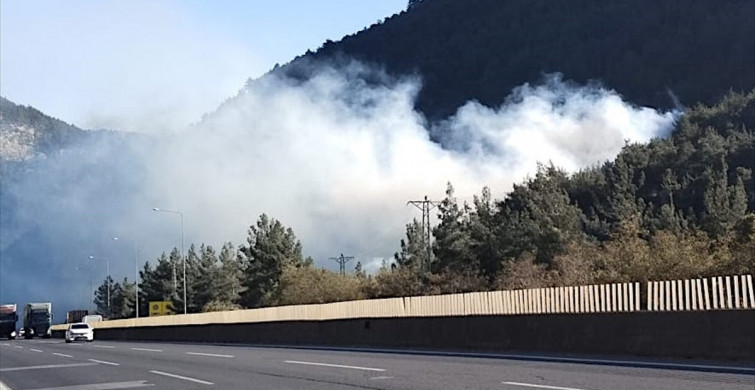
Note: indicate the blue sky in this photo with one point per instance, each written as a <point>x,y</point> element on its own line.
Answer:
<point>157,65</point>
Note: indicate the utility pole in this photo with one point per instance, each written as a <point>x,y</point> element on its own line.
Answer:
<point>342,260</point>
<point>183,259</point>
<point>426,206</point>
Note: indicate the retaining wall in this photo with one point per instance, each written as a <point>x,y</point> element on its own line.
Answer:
<point>720,335</point>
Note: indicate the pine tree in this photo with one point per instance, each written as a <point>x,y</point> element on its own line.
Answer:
<point>271,247</point>
<point>123,300</point>
<point>484,248</point>
<point>228,283</point>
<point>452,240</point>
<point>539,217</point>
<point>725,205</point>
<point>206,276</point>
<point>103,299</point>
<point>157,284</point>
<point>413,252</point>
<point>358,271</point>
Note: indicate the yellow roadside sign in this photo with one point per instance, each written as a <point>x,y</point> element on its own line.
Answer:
<point>160,308</point>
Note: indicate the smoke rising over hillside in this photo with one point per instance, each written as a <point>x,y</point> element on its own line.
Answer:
<point>335,157</point>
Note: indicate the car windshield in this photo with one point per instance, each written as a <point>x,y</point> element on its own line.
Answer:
<point>79,326</point>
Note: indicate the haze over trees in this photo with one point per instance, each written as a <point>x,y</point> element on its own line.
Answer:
<point>679,207</point>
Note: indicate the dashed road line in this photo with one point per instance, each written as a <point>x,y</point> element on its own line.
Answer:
<point>333,365</point>
<point>378,378</point>
<point>103,346</point>
<point>186,378</point>
<point>18,346</point>
<point>532,385</point>
<point>61,354</point>
<point>46,366</point>
<point>209,354</point>
<point>147,349</point>
<point>35,350</point>
<point>104,362</point>
<point>103,386</point>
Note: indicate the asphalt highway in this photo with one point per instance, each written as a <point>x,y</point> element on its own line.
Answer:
<point>100,365</point>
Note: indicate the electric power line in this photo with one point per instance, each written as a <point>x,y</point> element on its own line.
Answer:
<point>426,206</point>
<point>342,260</point>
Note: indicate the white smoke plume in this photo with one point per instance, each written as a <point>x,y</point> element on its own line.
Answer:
<point>336,158</point>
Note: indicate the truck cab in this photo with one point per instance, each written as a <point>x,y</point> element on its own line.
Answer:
<point>37,320</point>
<point>8,318</point>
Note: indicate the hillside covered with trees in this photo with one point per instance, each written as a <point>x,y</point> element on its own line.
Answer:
<point>654,53</point>
<point>680,207</point>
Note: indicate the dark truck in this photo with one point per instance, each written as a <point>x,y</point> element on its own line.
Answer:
<point>74,316</point>
<point>37,320</point>
<point>8,318</point>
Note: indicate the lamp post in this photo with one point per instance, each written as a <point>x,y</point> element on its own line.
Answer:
<point>136,274</point>
<point>107,280</point>
<point>86,295</point>
<point>183,260</point>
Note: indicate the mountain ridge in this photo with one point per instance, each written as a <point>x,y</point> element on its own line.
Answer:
<point>656,54</point>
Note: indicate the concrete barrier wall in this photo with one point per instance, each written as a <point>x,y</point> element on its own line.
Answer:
<point>729,292</point>
<point>723,334</point>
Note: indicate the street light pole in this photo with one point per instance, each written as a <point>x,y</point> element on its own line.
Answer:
<point>136,274</point>
<point>91,291</point>
<point>183,259</point>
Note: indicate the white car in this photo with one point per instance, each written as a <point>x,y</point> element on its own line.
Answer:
<point>79,331</point>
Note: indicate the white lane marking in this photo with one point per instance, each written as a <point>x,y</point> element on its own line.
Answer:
<point>103,362</point>
<point>147,349</point>
<point>46,366</point>
<point>540,386</point>
<point>6,344</point>
<point>35,350</point>
<point>103,346</point>
<point>539,358</point>
<point>62,354</point>
<point>3,386</point>
<point>377,378</point>
<point>17,346</point>
<point>209,354</point>
<point>103,386</point>
<point>334,365</point>
<point>186,378</point>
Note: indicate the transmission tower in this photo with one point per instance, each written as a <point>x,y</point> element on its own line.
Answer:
<point>342,260</point>
<point>426,206</point>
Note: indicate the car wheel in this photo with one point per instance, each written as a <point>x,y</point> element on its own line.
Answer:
<point>68,341</point>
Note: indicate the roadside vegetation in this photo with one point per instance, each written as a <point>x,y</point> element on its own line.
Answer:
<point>678,207</point>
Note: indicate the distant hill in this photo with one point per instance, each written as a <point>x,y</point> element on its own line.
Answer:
<point>651,52</point>
<point>25,132</point>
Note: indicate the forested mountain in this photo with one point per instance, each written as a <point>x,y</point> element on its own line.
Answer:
<point>25,132</point>
<point>678,207</point>
<point>651,52</point>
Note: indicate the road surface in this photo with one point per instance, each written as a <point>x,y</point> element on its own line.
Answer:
<point>52,364</point>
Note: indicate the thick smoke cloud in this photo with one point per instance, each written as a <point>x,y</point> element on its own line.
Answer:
<point>336,157</point>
